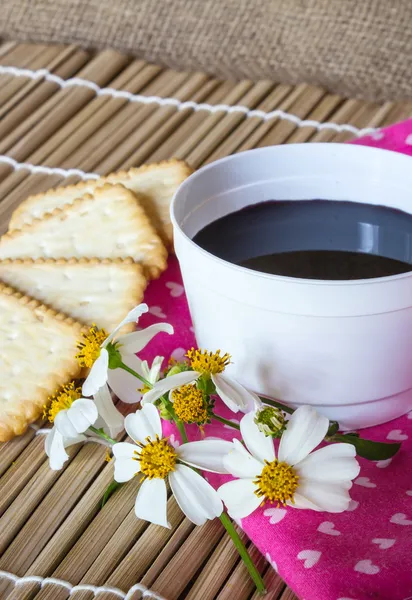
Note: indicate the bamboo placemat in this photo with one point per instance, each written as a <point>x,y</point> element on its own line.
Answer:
<point>52,531</point>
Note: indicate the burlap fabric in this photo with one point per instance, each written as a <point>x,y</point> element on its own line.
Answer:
<point>354,47</point>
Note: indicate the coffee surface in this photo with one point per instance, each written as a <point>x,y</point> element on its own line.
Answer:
<point>314,239</point>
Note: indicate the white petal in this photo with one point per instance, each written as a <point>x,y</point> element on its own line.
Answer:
<point>82,413</point>
<point>333,463</point>
<point>195,496</point>
<point>48,440</point>
<point>125,385</point>
<point>107,410</point>
<point>327,497</point>
<point>258,404</point>
<point>234,395</point>
<point>132,317</point>
<point>240,463</point>
<point>154,372</point>
<point>306,428</point>
<point>63,424</point>
<point>125,468</point>
<point>260,446</point>
<point>300,501</point>
<point>55,446</point>
<point>130,343</point>
<point>98,374</point>
<point>145,369</point>
<point>151,502</point>
<point>143,424</point>
<point>169,383</point>
<point>205,454</point>
<point>56,452</point>
<point>239,497</point>
<point>124,450</point>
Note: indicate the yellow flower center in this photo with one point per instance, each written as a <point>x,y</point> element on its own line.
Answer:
<point>157,458</point>
<point>208,362</point>
<point>144,389</point>
<point>277,482</point>
<point>89,347</point>
<point>189,405</point>
<point>63,399</point>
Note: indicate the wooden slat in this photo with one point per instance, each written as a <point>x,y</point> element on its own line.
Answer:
<point>169,147</point>
<point>247,126</point>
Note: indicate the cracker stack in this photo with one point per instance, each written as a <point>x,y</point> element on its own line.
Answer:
<point>74,256</point>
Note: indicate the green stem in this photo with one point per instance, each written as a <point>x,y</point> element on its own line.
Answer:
<point>244,555</point>
<point>132,372</point>
<point>228,525</point>
<point>283,407</point>
<point>226,421</point>
<point>102,434</point>
<point>182,430</point>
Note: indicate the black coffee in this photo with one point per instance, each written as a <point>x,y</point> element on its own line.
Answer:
<point>314,239</point>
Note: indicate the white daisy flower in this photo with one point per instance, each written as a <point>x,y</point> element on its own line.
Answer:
<point>94,354</point>
<point>298,477</point>
<point>212,365</point>
<point>71,416</point>
<point>154,458</point>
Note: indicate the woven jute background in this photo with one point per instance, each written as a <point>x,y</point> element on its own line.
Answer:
<point>351,47</point>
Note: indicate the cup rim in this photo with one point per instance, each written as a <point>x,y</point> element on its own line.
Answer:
<point>344,148</point>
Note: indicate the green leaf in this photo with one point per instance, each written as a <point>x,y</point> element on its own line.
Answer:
<point>367,448</point>
<point>110,491</point>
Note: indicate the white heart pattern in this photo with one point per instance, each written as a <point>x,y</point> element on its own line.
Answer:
<point>173,441</point>
<point>353,505</point>
<point>397,435</point>
<point>310,557</point>
<point>276,514</point>
<point>382,464</point>
<point>176,289</point>
<point>367,567</point>
<point>329,528</point>
<point>271,562</point>
<point>178,354</point>
<point>383,543</point>
<point>408,140</point>
<point>157,312</point>
<point>365,482</point>
<point>409,492</point>
<point>377,135</point>
<point>400,519</point>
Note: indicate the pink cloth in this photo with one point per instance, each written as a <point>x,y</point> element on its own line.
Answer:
<point>361,554</point>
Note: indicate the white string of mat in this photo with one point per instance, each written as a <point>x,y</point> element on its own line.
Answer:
<point>39,169</point>
<point>43,581</point>
<point>179,105</point>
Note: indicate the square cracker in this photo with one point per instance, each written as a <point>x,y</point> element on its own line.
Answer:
<point>155,184</point>
<point>37,355</point>
<point>109,224</point>
<point>89,290</point>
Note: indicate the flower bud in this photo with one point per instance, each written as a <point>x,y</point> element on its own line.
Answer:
<point>270,421</point>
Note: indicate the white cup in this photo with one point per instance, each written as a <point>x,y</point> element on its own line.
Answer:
<point>344,347</point>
